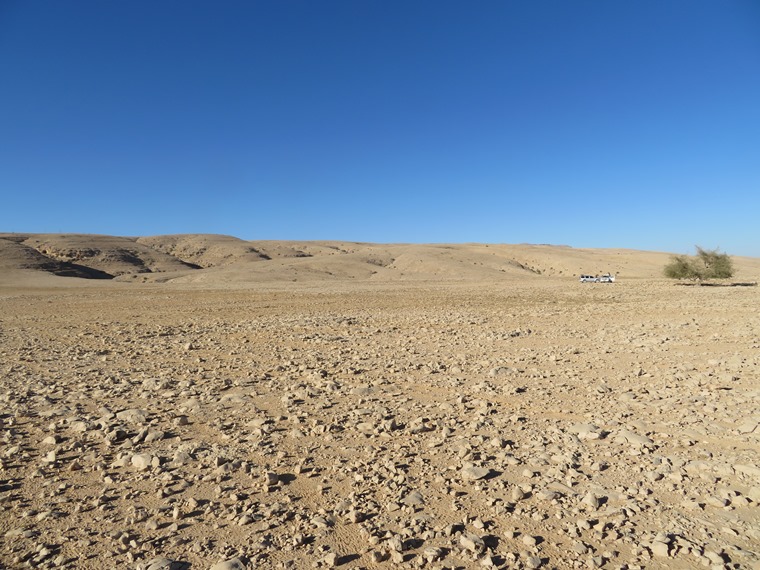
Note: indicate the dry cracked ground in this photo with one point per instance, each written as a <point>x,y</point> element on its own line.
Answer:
<point>525,424</point>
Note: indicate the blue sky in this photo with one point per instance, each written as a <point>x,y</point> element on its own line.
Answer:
<point>591,124</point>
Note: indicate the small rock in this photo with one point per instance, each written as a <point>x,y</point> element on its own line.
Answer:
<point>547,495</point>
<point>717,502</point>
<point>473,473</point>
<point>233,564</point>
<point>162,563</point>
<point>133,416</point>
<point>580,548</point>
<point>472,542</point>
<point>660,549</point>
<point>585,431</point>
<point>432,553</point>
<point>591,500</point>
<point>414,498</point>
<point>141,461</point>
<point>154,436</point>
<point>533,562</point>
<point>627,436</point>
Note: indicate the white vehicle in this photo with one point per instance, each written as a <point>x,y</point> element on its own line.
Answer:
<point>606,278</point>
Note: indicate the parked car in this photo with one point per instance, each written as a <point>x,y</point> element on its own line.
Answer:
<point>606,278</point>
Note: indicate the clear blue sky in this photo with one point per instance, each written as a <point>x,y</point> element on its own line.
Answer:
<point>587,123</point>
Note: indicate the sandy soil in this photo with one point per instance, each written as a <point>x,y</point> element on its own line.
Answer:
<point>521,423</point>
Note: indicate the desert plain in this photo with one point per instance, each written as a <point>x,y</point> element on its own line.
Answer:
<point>203,402</point>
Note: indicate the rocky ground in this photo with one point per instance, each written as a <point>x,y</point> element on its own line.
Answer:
<point>525,424</point>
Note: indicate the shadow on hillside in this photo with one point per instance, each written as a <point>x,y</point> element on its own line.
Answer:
<point>67,269</point>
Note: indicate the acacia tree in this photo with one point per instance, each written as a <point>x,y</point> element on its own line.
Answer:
<point>706,264</point>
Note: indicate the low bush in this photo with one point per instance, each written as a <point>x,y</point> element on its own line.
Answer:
<point>706,264</point>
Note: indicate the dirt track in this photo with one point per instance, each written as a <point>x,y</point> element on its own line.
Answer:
<point>517,424</point>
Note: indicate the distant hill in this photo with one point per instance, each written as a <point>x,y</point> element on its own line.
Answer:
<point>208,258</point>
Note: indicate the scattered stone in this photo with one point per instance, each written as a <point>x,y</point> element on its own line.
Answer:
<point>660,549</point>
<point>231,564</point>
<point>533,562</point>
<point>165,564</point>
<point>432,554</point>
<point>626,436</point>
<point>142,461</point>
<point>586,431</point>
<point>472,473</point>
<point>591,500</point>
<point>133,416</point>
<point>414,498</point>
<point>472,542</point>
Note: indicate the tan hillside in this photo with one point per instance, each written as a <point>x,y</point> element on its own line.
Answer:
<point>204,250</point>
<point>226,260</point>
<point>15,254</point>
<point>109,254</point>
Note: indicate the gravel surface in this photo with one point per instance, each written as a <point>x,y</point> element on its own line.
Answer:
<point>525,424</point>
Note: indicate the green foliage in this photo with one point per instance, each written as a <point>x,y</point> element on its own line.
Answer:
<point>717,265</point>
<point>706,264</point>
<point>681,267</point>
